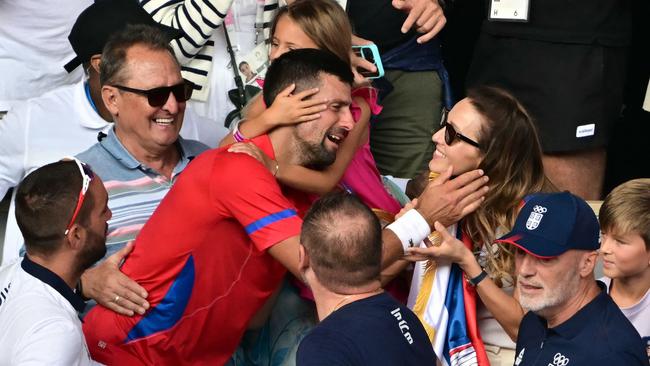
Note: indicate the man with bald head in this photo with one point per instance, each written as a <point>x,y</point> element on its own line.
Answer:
<point>340,260</point>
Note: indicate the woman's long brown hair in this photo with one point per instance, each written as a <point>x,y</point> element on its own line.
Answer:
<point>512,158</point>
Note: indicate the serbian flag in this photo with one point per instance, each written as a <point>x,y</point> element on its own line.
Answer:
<point>446,305</point>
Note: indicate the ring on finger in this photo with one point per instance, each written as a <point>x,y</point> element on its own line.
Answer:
<point>116,299</point>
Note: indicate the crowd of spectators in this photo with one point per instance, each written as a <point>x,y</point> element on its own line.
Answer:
<point>442,214</point>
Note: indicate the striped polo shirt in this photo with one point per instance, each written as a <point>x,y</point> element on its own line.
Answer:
<point>134,190</point>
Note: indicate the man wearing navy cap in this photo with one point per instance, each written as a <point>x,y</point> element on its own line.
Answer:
<point>572,320</point>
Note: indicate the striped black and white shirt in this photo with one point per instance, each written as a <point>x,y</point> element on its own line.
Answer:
<point>199,19</point>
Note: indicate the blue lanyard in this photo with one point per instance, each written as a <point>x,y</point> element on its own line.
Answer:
<point>90,100</point>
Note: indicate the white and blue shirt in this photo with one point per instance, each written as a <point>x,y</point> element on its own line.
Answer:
<point>39,318</point>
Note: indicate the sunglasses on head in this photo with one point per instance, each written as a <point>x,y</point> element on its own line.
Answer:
<point>87,176</point>
<point>451,135</point>
<point>157,97</point>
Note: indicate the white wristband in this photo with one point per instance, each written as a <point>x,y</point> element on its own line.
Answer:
<point>411,228</point>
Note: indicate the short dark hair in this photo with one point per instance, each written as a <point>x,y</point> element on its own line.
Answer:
<point>45,202</point>
<point>304,68</point>
<point>111,69</point>
<point>342,237</point>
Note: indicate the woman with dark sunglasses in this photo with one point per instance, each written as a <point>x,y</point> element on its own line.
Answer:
<point>489,130</point>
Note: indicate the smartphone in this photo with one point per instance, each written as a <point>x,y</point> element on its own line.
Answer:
<point>370,53</point>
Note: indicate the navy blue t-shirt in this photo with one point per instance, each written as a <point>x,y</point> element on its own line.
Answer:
<point>598,334</point>
<point>373,331</point>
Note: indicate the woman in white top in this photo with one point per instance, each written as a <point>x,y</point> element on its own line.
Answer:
<point>492,131</point>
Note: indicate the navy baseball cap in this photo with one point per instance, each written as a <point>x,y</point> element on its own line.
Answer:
<point>99,21</point>
<point>549,224</point>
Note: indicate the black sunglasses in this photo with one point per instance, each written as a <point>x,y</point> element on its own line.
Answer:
<point>452,135</point>
<point>157,97</point>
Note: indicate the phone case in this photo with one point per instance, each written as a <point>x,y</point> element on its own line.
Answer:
<point>370,52</point>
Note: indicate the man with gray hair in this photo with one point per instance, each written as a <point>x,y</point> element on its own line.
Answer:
<point>143,154</point>
<point>68,120</point>
<point>571,319</point>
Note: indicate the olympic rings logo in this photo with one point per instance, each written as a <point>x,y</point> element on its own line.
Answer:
<point>559,360</point>
<point>539,209</point>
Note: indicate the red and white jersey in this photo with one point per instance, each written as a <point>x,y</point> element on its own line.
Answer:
<point>203,259</point>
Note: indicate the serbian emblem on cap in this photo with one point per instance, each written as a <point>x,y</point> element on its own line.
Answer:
<point>535,217</point>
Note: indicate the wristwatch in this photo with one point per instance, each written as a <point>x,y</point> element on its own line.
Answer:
<point>476,280</point>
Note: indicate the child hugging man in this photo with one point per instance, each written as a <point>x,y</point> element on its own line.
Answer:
<point>625,250</point>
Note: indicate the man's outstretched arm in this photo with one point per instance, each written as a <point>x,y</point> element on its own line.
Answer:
<point>443,200</point>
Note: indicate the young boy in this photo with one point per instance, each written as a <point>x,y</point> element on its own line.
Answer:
<point>625,250</point>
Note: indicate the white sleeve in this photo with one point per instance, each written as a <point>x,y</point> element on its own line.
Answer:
<point>13,136</point>
<point>55,342</point>
<point>198,19</point>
